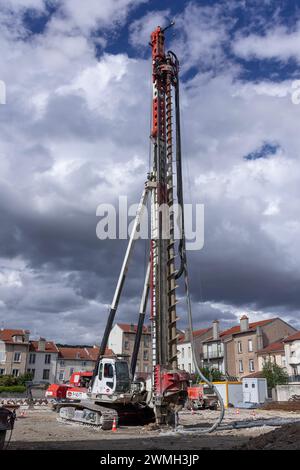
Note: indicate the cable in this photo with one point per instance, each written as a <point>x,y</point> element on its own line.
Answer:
<point>182,248</point>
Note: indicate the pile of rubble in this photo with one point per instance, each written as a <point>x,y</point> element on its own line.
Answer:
<point>286,437</point>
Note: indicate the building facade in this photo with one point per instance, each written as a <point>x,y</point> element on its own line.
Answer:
<point>75,359</point>
<point>273,353</point>
<point>292,354</point>
<point>14,347</point>
<point>185,356</point>
<point>42,360</point>
<point>235,351</point>
<point>121,341</point>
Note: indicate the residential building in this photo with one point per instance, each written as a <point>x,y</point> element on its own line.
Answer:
<point>42,360</point>
<point>14,346</point>
<point>213,349</point>
<point>274,353</point>
<point>185,357</point>
<point>292,354</point>
<point>234,351</point>
<point>75,359</point>
<point>121,341</point>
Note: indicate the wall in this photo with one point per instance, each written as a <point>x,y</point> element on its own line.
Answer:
<point>70,366</point>
<point>284,392</point>
<point>9,364</point>
<point>292,352</point>
<point>40,366</point>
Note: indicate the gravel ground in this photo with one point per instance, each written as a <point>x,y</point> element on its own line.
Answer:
<point>41,430</point>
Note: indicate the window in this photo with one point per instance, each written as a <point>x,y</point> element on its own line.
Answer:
<point>251,365</point>
<point>31,372</point>
<point>2,371</point>
<point>84,363</point>
<point>31,358</point>
<point>190,367</point>
<point>47,358</point>
<point>126,345</point>
<point>46,374</point>
<point>239,346</point>
<point>17,357</point>
<point>146,368</point>
<point>61,375</point>
<point>241,366</point>
<point>108,371</point>
<point>250,345</point>
<point>2,356</point>
<point>62,363</point>
<point>182,353</point>
<point>146,355</point>
<point>15,372</point>
<point>189,350</point>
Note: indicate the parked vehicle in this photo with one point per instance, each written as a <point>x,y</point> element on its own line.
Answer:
<point>201,396</point>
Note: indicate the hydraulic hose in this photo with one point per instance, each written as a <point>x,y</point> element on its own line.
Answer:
<point>182,249</point>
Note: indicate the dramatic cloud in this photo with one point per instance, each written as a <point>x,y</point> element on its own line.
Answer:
<point>75,133</point>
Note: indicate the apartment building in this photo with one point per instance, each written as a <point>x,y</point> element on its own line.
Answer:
<point>42,360</point>
<point>274,353</point>
<point>75,359</point>
<point>185,357</point>
<point>235,351</point>
<point>121,341</point>
<point>292,353</point>
<point>14,346</point>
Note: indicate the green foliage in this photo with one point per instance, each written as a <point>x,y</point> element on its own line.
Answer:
<point>12,389</point>
<point>11,381</point>
<point>211,373</point>
<point>274,374</point>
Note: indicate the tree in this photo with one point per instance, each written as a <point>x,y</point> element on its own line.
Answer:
<point>274,374</point>
<point>211,373</point>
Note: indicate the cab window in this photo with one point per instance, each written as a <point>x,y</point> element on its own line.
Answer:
<point>108,371</point>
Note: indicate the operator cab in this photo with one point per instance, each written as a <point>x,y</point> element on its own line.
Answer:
<point>113,376</point>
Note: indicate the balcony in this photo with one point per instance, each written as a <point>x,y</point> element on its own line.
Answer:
<point>213,354</point>
<point>294,360</point>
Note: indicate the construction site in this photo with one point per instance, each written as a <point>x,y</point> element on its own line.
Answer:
<point>114,405</point>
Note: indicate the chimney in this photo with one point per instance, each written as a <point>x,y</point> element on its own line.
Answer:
<point>132,327</point>
<point>216,329</point>
<point>259,336</point>
<point>26,336</point>
<point>42,344</point>
<point>244,323</point>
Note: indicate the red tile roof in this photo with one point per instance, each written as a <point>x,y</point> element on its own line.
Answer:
<point>81,354</point>
<point>196,333</point>
<point>237,329</point>
<point>74,353</point>
<point>293,337</point>
<point>50,347</point>
<point>7,335</point>
<point>130,328</point>
<point>273,347</point>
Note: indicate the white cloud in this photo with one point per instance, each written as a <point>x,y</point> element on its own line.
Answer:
<point>279,42</point>
<point>141,29</point>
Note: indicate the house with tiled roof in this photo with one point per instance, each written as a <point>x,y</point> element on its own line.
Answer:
<point>76,359</point>
<point>42,360</point>
<point>234,351</point>
<point>14,346</point>
<point>185,357</point>
<point>274,353</point>
<point>292,354</point>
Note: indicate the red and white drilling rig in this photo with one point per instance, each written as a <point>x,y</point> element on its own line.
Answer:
<point>113,392</point>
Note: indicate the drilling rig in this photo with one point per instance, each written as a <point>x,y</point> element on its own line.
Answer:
<point>113,392</point>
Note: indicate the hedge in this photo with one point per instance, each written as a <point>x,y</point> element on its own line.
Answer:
<point>13,389</point>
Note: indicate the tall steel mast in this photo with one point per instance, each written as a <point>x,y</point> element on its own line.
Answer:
<point>169,384</point>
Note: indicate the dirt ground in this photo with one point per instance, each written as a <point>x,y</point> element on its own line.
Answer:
<point>42,430</point>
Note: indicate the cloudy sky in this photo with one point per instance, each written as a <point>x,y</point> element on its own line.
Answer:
<point>74,134</point>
